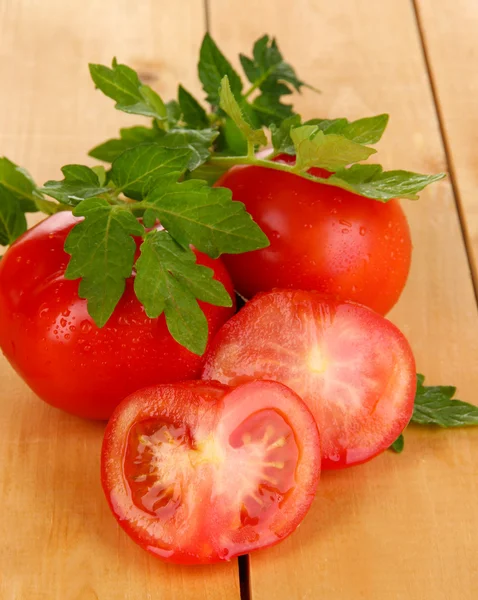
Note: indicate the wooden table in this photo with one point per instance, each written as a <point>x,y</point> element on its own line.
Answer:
<point>399,528</point>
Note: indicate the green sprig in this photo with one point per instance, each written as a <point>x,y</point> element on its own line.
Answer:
<point>165,171</point>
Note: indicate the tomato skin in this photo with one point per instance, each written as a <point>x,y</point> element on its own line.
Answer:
<point>321,238</point>
<point>49,338</point>
<point>184,467</point>
<point>352,367</point>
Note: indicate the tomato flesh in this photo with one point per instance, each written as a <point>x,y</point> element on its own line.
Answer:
<point>50,339</point>
<point>353,368</point>
<point>197,472</point>
<point>321,237</point>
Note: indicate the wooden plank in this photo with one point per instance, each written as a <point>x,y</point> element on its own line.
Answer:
<point>451,45</point>
<point>59,541</point>
<point>401,526</point>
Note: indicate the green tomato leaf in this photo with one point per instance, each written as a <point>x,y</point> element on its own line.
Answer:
<point>205,217</point>
<point>281,140</point>
<point>328,125</point>
<point>270,110</point>
<point>398,444</point>
<point>366,131</point>
<point>212,68</point>
<point>80,182</point>
<point>268,70</point>
<point>197,141</point>
<point>129,138</point>
<point>252,71</point>
<point>102,253</point>
<point>122,84</point>
<point>100,172</point>
<point>231,141</point>
<point>12,217</point>
<point>229,105</point>
<point>273,77</point>
<point>19,183</point>
<point>173,111</point>
<point>434,405</point>
<point>315,149</point>
<point>371,181</point>
<point>363,131</point>
<point>208,172</point>
<point>136,171</point>
<point>168,279</point>
<point>193,113</point>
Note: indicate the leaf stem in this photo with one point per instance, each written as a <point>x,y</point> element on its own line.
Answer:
<point>250,150</point>
<point>258,82</point>
<point>230,161</point>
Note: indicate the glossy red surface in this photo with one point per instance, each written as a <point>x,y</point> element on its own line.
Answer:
<point>49,338</point>
<point>321,238</point>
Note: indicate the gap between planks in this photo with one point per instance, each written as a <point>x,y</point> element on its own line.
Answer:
<point>447,149</point>
<point>207,19</point>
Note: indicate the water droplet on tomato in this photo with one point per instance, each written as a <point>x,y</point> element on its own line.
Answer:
<point>85,326</point>
<point>345,230</point>
<point>72,328</point>
<point>346,223</point>
<point>63,322</point>
<point>66,313</point>
<point>67,336</point>
<point>362,231</point>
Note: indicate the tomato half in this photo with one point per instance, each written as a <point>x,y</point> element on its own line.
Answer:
<point>321,238</point>
<point>49,338</point>
<point>353,368</point>
<point>197,473</point>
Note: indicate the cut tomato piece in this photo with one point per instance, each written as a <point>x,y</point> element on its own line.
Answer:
<point>198,472</point>
<point>352,367</point>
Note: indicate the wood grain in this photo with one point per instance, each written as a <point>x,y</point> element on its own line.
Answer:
<point>401,527</point>
<point>58,540</point>
<point>451,44</point>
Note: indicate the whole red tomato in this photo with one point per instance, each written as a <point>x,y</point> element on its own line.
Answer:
<point>49,338</point>
<point>321,238</point>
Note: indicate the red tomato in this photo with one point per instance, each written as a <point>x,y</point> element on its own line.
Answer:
<point>353,368</point>
<point>321,238</point>
<point>52,342</point>
<point>197,473</point>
